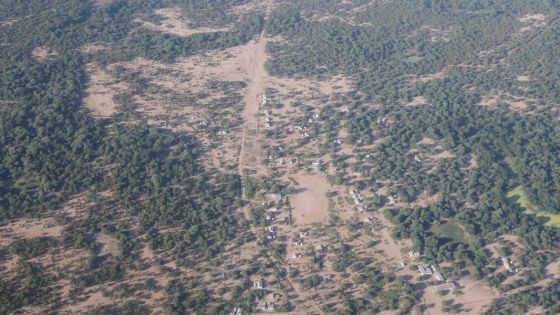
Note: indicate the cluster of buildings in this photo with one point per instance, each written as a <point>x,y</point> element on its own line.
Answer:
<point>302,131</point>
<point>358,198</point>
<point>382,121</point>
<point>393,198</point>
<point>269,302</point>
<point>299,243</point>
<point>275,205</point>
<point>237,311</point>
<point>314,117</point>
<point>431,271</point>
<point>508,264</point>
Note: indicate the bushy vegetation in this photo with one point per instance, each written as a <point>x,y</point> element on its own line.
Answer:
<point>52,149</point>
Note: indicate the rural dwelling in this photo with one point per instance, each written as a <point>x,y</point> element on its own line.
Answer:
<point>259,284</point>
<point>425,269</point>
<point>327,277</point>
<point>413,254</point>
<point>437,274</point>
<point>267,307</point>
<point>317,166</point>
<point>507,264</point>
<point>237,311</point>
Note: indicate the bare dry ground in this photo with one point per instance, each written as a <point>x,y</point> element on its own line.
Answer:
<point>101,89</point>
<point>108,244</point>
<point>417,101</point>
<point>309,200</point>
<point>519,104</point>
<point>29,228</point>
<point>523,78</point>
<point>91,48</point>
<point>431,77</point>
<point>8,22</point>
<point>43,53</point>
<point>438,35</point>
<point>174,22</point>
<point>103,2</point>
<point>532,22</point>
<point>475,298</point>
<point>311,87</point>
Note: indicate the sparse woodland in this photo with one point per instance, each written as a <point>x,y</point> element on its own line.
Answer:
<point>454,101</point>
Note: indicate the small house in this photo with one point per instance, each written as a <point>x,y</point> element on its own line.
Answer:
<point>317,166</point>
<point>237,311</point>
<point>506,263</point>
<point>438,274</point>
<point>413,254</point>
<point>425,269</point>
<point>258,284</point>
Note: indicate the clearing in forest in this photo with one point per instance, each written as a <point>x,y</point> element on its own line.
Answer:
<point>101,89</point>
<point>173,22</point>
<point>519,197</point>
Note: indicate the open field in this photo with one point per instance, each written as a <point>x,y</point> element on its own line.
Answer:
<point>518,196</point>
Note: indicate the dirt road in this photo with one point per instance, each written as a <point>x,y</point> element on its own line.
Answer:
<point>253,98</point>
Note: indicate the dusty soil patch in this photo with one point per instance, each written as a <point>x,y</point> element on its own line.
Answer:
<point>532,21</point>
<point>496,97</point>
<point>437,35</point>
<point>336,84</point>
<point>475,298</point>
<point>44,53</point>
<point>418,101</point>
<point>96,299</point>
<point>100,91</point>
<point>29,228</point>
<point>443,155</point>
<point>331,17</point>
<point>192,73</point>
<point>309,201</point>
<point>529,18</point>
<point>175,23</point>
<point>102,2</point>
<point>427,141</point>
<point>553,269</point>
<point>8,22</point>
<point>473,162</point>
<point>91,48</point>
<point>108,244</point>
